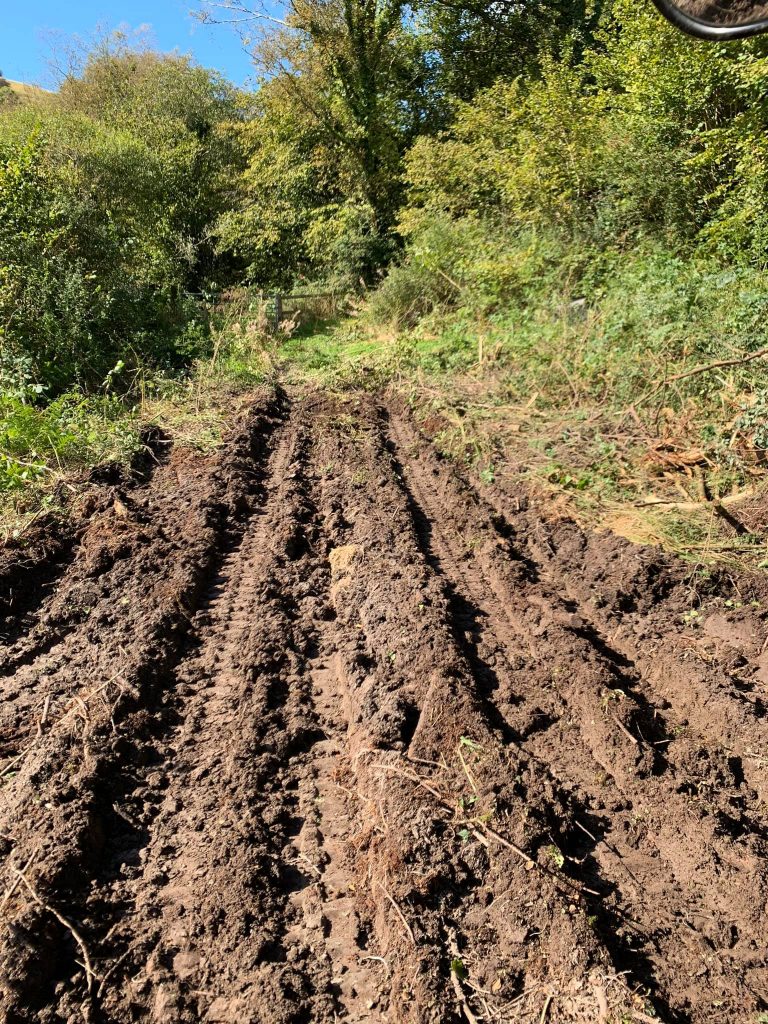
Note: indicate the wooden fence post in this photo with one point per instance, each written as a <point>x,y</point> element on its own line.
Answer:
<point>278,310</point>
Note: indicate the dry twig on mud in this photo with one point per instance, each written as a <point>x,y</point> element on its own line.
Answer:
<point>380,959</point>
<point>126,816</point>
<point>625,730</point>
<point>693,506</point>
<point>111,971</point>
<point>10,764</point>
<point>602,1002</point>
<point>461,1000</point>
<point>467,771</point>
<point>481,830</point>
<point>44,716</point>
<point>505,842</point>
<point>450,806</point>
<point>89,972</point>
<point>456,982</point>
<point>399,912</point>
<point>305,859</point>
<point>15,883</point>
<point>545,1009</point>
<point>414,778</point>
<point>423,760</point>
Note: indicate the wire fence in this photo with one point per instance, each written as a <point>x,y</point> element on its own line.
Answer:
<point>296,309</point>
<point>282,310</point>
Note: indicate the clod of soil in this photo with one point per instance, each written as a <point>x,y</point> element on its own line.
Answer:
<point>311,731</point>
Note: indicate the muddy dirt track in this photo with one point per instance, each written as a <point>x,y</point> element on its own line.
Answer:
<point>309,731</point>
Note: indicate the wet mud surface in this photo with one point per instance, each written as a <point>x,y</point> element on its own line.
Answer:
<point>309,730</point>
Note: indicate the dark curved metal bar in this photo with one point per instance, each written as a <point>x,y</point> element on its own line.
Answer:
<point>702,30</point>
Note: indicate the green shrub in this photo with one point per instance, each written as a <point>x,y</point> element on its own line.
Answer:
<point>603,326</point>
<point>72,432</point>
<point>471,263</point>
<point>106,212</point>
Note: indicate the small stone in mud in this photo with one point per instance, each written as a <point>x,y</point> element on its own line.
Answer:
<point>185,964</point>
<point>165,1002</point>
<point>218,1010</point>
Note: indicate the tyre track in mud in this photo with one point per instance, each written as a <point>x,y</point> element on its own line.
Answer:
<point>247,849</point>
<point>140,567</point>
<point>61,587</point>
<point>29,567</point>
<point>227,842</point>
<point>334,741</point>
<point>713,673</point>
<point>411,694</point>
<point>710,665</point>
<point>718,927</point>
<point>158,953</point>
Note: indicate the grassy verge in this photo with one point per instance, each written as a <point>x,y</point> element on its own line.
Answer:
<point>44,447</point>
<point>636,400</point>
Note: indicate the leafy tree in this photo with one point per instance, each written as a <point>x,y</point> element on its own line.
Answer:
<point>648,133</point>
<point>357,69</point>
<point>108,198</point>
<point>350,86</point>
<point>303,206</point>
<point>185,112</point>
<point>476,43</point>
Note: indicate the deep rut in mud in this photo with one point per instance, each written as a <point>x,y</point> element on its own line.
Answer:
<point>310,731</point>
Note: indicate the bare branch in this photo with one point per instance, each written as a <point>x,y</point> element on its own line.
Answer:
<point>248,14</point>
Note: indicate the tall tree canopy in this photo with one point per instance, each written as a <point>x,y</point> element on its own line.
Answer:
<point>110,191</point>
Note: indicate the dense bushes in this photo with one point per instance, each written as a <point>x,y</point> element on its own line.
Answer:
<point>299,208</point>
<point>147,178</point>
<point>631,182</point>
<point>646,135</point>
<point>44,441</point>
<point>599,353</point>
<point>597,229</point>
<point>106,214</point>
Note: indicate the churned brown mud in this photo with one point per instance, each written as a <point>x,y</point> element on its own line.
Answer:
<point>311,731</point>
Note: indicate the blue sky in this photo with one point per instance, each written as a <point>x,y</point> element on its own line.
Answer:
<point>27,27</point>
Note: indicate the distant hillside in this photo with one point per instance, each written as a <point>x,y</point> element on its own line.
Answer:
<point>21,89</point>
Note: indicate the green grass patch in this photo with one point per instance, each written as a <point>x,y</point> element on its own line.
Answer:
<point>71,432</point>
<point>46,444</point>
<point>336,347</point>
<point>42,447</point>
